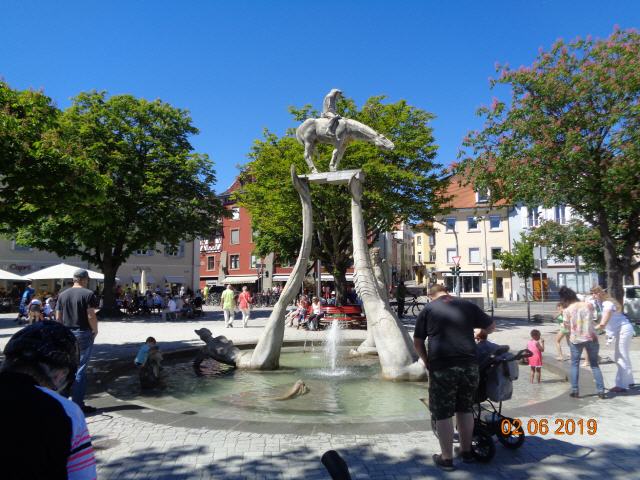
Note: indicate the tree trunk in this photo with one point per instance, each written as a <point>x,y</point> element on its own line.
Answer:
<point>109,306</point>
<point>340,279</point>
<point>612,265</point>
<point>526,296</point>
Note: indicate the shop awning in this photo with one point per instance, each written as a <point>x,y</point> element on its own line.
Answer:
<point>150,278</point>
<point>175,279</point>
<point>4,275</point>
<point>327,277</point>
<point>237,279</point>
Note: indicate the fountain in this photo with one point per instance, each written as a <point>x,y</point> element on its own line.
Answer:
<point>332,351</point>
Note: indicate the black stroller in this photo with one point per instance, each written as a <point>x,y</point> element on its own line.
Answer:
<point>498,368</point>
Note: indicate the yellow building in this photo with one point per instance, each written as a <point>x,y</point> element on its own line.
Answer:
<point>473,233</point>
<point>424,256</point>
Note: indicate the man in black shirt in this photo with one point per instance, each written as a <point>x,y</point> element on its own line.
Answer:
<point>76,310</point>
<point>448,323</point>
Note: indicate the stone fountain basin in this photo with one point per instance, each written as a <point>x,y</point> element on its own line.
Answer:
<point>353,398</point>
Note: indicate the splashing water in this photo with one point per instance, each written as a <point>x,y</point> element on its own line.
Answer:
<point>332,349</point>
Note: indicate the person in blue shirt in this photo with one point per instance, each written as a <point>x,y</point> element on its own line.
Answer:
<point>143,351</point>
<point>25,300</point>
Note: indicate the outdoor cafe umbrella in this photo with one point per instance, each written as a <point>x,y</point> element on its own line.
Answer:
<point>4,275</point>
<point>60,271</point>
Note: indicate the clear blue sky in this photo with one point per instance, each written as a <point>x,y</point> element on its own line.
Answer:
<point>237,65</point>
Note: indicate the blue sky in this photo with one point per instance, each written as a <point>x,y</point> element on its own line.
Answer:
<point>237,65</point>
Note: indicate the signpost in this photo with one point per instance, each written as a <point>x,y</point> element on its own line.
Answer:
<point>456,272</point>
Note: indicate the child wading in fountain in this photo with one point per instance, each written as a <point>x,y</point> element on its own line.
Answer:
<point>536,346</point>
<point>143,352</point>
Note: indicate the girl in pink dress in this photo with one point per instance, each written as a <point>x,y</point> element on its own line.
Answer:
<point>536,346</point>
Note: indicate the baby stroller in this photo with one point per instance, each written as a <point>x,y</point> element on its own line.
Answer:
<point>498,369</point>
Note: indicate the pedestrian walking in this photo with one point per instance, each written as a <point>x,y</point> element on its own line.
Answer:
<point>448,324</point>
<point>228,301</point>
<point>244,303</point>
<point>401,293</point>
<point>76,310</point>
<point>578,318</point>
<point>618,327</point>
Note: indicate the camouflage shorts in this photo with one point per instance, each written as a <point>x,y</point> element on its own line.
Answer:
<point>452,390</point>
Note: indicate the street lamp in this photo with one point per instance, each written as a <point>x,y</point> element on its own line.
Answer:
<point>486,258</point>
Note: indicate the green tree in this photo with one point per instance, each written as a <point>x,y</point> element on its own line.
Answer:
<point>401,185</point>
<point>521,262</point>
<point>142,182</point>
<point>26,168</point>
<point>571,135</point>
<point>571,240</point>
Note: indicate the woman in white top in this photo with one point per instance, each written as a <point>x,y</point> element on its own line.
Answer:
<point>617,326</point>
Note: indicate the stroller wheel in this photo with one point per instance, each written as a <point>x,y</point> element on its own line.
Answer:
<point>513,439</point>
<point>483,447</point>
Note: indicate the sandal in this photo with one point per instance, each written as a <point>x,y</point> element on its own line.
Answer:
<point>442,464</point>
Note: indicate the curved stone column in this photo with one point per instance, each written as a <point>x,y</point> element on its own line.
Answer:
<point>266,355</point>
<point>398,358</point>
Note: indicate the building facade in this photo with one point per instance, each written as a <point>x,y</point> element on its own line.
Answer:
<point>163,266</point>
<point>473,233</point>
<point>552,273</point>
<point>424,242</point>
<point>227,257</point>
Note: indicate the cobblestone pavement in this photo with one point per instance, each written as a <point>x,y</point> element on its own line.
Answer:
<point>129,448</point>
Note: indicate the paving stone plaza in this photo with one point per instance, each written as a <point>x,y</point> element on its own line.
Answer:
<point>134,442</point>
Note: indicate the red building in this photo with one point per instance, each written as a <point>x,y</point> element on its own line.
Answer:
<point>228,256</point>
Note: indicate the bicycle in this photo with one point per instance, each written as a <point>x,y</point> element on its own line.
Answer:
<point>414,307</point>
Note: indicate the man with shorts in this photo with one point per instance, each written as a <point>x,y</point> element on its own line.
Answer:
<point>76,310</point>
<point>46,436</point>
<point>448,322</point>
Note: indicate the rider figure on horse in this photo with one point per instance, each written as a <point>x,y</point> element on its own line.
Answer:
<point>329,110</point>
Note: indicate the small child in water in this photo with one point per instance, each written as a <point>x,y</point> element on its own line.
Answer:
<point>143,352</point>
<point>536,346</point>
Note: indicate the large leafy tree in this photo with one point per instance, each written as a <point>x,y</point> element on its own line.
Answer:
<point>520,261</point>
<point>401,185</point>
<point>142,184</point>
<point>571,135</point>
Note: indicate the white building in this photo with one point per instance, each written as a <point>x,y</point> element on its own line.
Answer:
<point>554,273</point>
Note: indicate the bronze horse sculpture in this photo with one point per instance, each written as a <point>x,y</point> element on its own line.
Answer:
<point>315,130</point>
